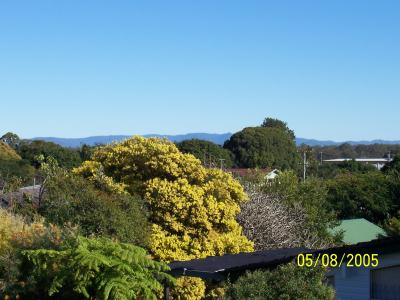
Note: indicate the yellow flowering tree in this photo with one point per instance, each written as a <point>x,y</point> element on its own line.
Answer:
<point>192,209</point>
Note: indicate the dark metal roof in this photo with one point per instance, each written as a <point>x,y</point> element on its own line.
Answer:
<point>380,246</point>
<point>217,267</point>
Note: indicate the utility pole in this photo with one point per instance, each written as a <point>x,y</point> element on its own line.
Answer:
<point>320,157</point>
<point>305,164</point>
<point>222,163</point>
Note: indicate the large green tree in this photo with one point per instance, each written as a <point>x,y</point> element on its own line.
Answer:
<point>276,123</point>
<point>260,147</point>
<point>209,153</point>
<point>361,195</point>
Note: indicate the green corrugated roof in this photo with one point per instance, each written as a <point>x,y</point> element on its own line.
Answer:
<point>358,230</point>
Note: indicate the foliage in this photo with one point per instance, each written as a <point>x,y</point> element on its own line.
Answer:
<point>260,147</point>
<point>392,225</point>
<point>8,153</point>
<point>360,195</point>
<point>11,169</point>
<point>86,151</point>
<point>99,269</point>
<point>69,198</point>
<point>30,150</point>
<point>276,123</point>
<point>11,139</point>
<point>311,196</point>
<point>16,235</point>
<point>271,223</point>
<point>286,282</point>
<point>189,288</point>
<point>330,170</point>
<point>393,167</point>
<point>355,151</point>
<point>208,152</point>
<point>192,208</point>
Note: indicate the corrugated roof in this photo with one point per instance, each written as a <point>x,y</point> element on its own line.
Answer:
<point>218,267</point>
<point>359,230</point>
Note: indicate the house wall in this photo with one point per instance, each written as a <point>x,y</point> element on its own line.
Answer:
<point>355,283</point>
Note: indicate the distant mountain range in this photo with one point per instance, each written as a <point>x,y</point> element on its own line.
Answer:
<point>218,138</point>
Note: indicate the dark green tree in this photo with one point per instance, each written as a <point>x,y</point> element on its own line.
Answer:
<point>86,152</point>
<point>208,152</point>
<point>393,167</point>
<point>261,147</point>
<point>361,195</point>
<point>66,157</point>
<point>276,123</point>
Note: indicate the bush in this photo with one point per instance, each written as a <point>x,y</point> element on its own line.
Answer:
<point>286,282</point>
<point>17,235</point>
<point>69,198</point>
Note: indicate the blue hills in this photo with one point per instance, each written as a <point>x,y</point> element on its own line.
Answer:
<point>106,139</point>
<point>218,138</point>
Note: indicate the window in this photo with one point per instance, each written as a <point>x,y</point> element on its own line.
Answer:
<point>385,283</point>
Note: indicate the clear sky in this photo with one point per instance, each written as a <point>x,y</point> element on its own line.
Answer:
<point>331,69</point>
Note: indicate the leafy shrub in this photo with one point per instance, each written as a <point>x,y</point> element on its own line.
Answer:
<point>286,282</point>
<point>69,198</point>
<point>17,235</point>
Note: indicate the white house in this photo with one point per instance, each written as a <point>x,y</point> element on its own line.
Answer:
<point>272,175</point>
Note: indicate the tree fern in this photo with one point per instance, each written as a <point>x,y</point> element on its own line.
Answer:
<point>101,269</point>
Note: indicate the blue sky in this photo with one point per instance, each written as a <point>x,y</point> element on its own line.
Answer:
<point>331,69</point>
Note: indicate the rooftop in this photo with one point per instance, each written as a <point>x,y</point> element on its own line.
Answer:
<point>359,230</point>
